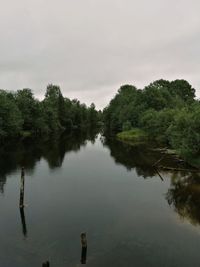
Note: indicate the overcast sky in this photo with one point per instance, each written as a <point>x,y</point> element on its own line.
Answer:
<point>91,47</point>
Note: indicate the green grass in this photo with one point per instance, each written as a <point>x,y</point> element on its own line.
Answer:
<point>134,135</point>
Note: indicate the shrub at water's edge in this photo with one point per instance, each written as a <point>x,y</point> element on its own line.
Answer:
<point>167,111</point>
<point>134,135</point>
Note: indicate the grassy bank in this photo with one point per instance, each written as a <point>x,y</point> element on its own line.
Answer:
<point>134,135</point>
<point>137,136</point>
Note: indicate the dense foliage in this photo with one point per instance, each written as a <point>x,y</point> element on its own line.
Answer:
<point>167,111</point>
<point>21,114</point>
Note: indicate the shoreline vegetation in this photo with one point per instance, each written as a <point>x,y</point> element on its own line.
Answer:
<point>23,116</point>
<point>137,137</point>
<point>134,136</point>
<point>165,113</point>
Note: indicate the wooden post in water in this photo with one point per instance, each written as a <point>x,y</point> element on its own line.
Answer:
<point>46,264</point>
<point>84,248</point>
<point>21,201</point>
<point>23,220</point>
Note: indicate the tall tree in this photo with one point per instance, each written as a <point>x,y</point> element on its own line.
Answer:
<point>11,120</point>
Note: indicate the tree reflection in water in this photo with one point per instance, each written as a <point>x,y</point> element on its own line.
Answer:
<point>140,157</point>
<point>28,152</point>
<point>184,192</point>
<point>184,196</point>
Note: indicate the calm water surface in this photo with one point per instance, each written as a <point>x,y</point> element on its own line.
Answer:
<point>103,187</point>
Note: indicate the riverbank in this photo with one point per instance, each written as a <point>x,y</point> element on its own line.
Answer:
<point>137,136</point>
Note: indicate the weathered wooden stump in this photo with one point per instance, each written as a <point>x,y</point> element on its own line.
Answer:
<point>23,221</point>
<point>46,264</point>
<point>84,248</point>
<point>21,200</point>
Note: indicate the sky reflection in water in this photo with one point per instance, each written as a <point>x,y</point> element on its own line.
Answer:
<point>107,189</point>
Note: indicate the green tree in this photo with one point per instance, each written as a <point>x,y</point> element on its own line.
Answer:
<point>184,132</point>
<point>10,117</point>
<point>28,108</point>
<point>93,115</point>
<point>51,107</point>
<point>183,89</point>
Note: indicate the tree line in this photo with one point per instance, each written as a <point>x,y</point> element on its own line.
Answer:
<point>21,114</point>
<point>166,110</point>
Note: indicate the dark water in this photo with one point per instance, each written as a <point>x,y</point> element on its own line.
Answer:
<point>109,190</point>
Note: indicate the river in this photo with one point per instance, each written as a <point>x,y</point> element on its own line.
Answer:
<point>87,183</point>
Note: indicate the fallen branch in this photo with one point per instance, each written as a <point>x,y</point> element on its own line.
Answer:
<point>178,169</point>
<point>159,174</point>
<point>159,160</point>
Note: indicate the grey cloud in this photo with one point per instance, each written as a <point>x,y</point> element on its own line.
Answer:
<point>91,47</point>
